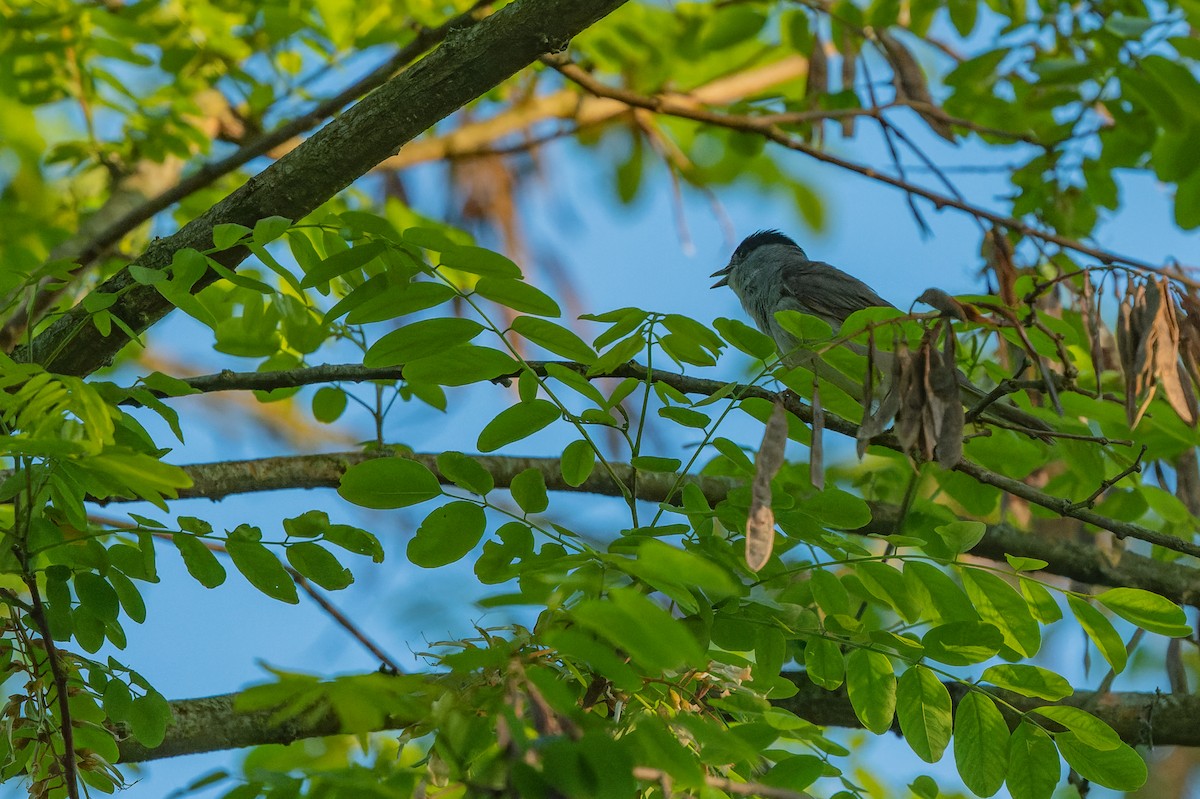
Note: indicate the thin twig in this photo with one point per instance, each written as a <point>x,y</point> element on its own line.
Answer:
<point>301,581</point>
<point>673,107</point>
<point>1133,468</point>
<point>66,729</point>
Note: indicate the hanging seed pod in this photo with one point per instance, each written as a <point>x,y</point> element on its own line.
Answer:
<point>911,84</point>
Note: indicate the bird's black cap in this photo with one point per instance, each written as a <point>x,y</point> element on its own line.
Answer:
<point>761,238</point>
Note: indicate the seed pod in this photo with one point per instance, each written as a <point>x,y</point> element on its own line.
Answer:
<point>911,85</point>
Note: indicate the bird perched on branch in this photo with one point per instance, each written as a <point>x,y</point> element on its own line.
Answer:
<point>769,272</point>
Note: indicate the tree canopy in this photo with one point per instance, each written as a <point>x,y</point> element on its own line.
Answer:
<point>219,239</point>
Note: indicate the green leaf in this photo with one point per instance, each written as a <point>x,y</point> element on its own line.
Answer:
<point>555,338</point>
<point>460,366</point>
<point>794,772</point>
<point>600,655</point>
<point>804,327</point>
<point>961,643</point>
<point>670,569</point>
<point>478,261</point>
<point>1041,601</point>
<point>228,234</point>
<point>749,340</point>
<point>1033,764</point>
<point>980,744</point>
<point>465,472</point>
<point>1025,564</point>
<point>352,539</point>
<point>1101,631</point>
<point>688,328</point>
<point>270,228</point>
<point>328,404</point>
<point>447,534</point>
<point>148,718</point>
<point>686,417</point>
<point>518,295</point>
<point>924,710</point>
<point>262,569</point>
<point>829,592</point>
<point>871,684</point>
<point>1121,769</point>
<point>200,561</point>
<point>342,262</point>
<point>420,340</point>
<point>1187,202</point>
<point>998,603</point>
<point>528,490</point>
<point>319,565</point>
<point>131,599</point>
<point>961,536</point>
<point>515,423</point>
<point>578,461</point>
<point>97,595</point>
<point>576,382</point>
<point>1090,730</point>
<point>886,583</point>
<point>384,483</point>
<point>654,639</point>
<point>620,354</point>
<point>824,663</point>
<point>1029,681</point>
<point>1147,610</point>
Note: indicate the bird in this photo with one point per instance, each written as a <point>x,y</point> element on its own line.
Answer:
<point>769,272</point>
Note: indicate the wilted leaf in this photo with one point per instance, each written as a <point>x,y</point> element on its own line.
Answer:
<point>760,527</point>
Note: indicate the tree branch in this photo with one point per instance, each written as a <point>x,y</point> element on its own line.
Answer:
<point>697,385</point>
<point>768,127</point>
<point>209,173</point>
<point>1079,562</point>
<point>468,63</point>
<point>212,724</point>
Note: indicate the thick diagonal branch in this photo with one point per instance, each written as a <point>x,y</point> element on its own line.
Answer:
<point>467,64</point>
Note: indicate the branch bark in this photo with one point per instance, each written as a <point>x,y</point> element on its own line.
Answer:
<point>697,385</point>
<point>1084,564</point>
<point>466,64</point>
<point>211,724</point>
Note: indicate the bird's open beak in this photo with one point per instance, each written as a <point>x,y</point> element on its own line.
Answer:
<point>724,273</point>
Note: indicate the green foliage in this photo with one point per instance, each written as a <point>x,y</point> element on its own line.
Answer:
<point>649,647</point>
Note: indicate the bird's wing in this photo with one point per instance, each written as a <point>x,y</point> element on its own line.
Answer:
<point>825,291</point>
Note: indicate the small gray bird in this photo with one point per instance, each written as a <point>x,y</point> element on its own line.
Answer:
<point>769,272</point>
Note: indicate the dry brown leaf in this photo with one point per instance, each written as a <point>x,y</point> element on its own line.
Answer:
<point>997,252</point>
<point>1089,309</point>
<point>760,526</point>
<point>951,306</point>
<point>1176,384</point>
<point>816,84</point>
<point>910,399</point>
<point>945,386</point>
<point>911,84</point>
<point>1126,347</point>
